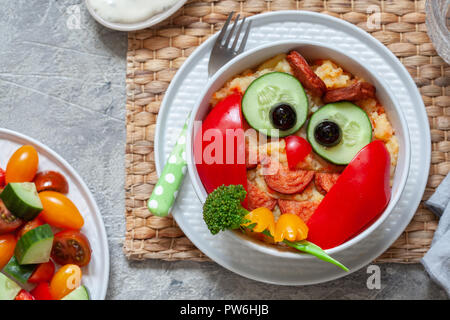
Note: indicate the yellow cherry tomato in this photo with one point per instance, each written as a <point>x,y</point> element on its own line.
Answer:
<point>263,218</point>
<point>290,227</point>
<point>65,280</point>
<point>7,245</point>
<point>59,211</point>
<point>23,165</point>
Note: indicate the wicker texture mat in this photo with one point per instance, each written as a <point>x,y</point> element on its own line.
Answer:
<point>154,56</point>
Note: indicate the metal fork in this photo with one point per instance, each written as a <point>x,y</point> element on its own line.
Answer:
<point>222,51</point>
<point>166,189</point>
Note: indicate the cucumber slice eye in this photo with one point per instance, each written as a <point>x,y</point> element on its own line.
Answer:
<point>266,93</point>
<point>355,126</point>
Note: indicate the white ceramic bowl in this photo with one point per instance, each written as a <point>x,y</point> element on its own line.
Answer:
<point>138,25</point>
<point>310,50</point>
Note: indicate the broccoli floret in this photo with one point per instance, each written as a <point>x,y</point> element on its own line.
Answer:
<point>223,210</point>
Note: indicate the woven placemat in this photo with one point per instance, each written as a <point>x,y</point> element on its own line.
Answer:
<point>155,54</point>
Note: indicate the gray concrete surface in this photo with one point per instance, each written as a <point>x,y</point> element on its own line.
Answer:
<point>65,86</point>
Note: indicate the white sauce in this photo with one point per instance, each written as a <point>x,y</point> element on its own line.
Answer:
<point>129,11</point>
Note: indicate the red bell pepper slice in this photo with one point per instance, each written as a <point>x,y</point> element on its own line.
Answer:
<point>24,295</point>
<point>42,291</point>
<point>359,196</point>
<point>44,272</point>
<point>219,147</point>
<point>297,149</point>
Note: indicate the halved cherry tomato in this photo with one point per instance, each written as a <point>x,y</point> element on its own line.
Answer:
<point>297,149</point>
<point>65,280</point>
<point>290,227</point>
<point>8,222</point>
<point>219,147</point>
<point>59,211</point>
<point>71,247</point>
<point>263,218</point>
<point>359,196</point>
<point>7,246</point>
<point>24,295</point>
<point>43,273</point>
<point>23,165</point>
<point>30,225</point>
<point>51,181</point>
<point>2,178</point>
<point>42,292</point>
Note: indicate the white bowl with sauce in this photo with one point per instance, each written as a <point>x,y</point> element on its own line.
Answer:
<point>131,15</point>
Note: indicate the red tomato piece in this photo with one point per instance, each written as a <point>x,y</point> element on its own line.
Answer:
<point>219,148</point>
<point>8,222</point>
<point>43,273</point>
<point>360,195</point>
<point>51,181</point>
<point>71,247</point>
<point>42,291</point>
<point>2,178</point>
<point>24,295</point>
<point>30,225</point>
<point>297,149</point>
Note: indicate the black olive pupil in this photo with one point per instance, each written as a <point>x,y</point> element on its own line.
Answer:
<point>328,133</point>
<point>283,116</point>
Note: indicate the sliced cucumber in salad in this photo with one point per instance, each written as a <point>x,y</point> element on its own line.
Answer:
<point>22,200</point>
<point>80,293</point>
<point>35,246</point>
<point>19,272</point>
<point>338,131</point>
<point>275,104</point>
<point>8,288</point>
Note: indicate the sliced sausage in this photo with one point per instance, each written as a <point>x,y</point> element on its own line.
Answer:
<point>304,73</point>
<point>251,158</point>
<point>280,178</point>
<point>303,209</point>
<point>258,198</point>
<point>356,91</point>
<point>325,181</point>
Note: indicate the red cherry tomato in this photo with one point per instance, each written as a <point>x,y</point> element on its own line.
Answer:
<point>2,178</point>
<point>297,149</point>
<point>23,165</point>
<point>359,196</point>
<point>51,181</point>
<point>30,225</point>
<point>217,161</point>
<point>24,295</point>
<point>43,273</point>
<point>42,291</point>
<point>71,247</point>
<point>8,222</point>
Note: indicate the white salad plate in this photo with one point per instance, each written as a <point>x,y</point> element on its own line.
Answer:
<point>229,252</point>
<point>96,274</point>
<point>137,25</point>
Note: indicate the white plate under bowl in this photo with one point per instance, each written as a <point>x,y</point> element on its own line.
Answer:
<point>183,93</point>
<point>138,25</point>
<point>96,274</point>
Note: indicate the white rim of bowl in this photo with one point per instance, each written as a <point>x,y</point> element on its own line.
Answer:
<point>137,25</point>
<point>87,193</point>
<point>393,201</point>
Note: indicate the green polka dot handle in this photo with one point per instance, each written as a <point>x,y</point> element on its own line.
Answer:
<point>166,189</point>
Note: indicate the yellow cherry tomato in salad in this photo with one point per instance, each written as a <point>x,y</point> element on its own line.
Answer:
<point>263,218</point>
<point>59,211</point>
<point>65,280</point>
<point>7,245</point>
<point>290,227</point>
<point>23,165</point>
